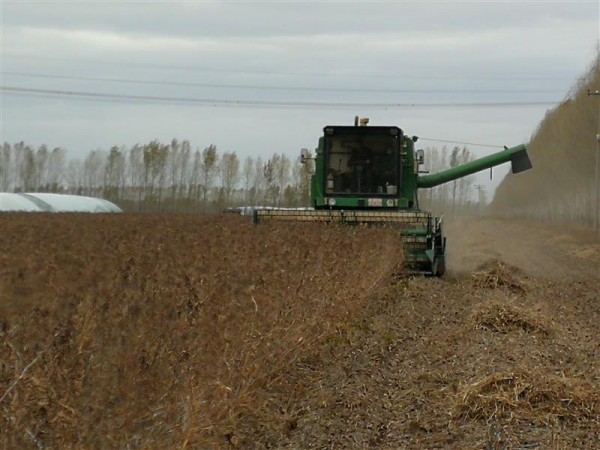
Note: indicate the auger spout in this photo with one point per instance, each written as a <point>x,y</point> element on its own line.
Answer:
<point>516,155</point>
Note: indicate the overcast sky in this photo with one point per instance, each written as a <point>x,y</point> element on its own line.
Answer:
<point>264,77</point>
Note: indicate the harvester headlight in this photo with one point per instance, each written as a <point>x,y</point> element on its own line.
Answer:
<point>331,201</point>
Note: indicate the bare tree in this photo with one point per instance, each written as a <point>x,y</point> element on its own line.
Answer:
<point>136,173</point>
<point>155,157</point>
<point>184,169</point>
<point>173,166</point>
<point>302,175</point>
<point>443,189</point>
<point>258,183</point>
<point>290,196</point>
<point>75,176</point>
<point>195,187</point>
<point>93,172</point>
<point>208,170</point>
<point>432,164</point>
<point>277,175</point>
<point>283,174</point>
<point>56,169</point>
<point>41,168</point>
<point>114,174</point>
<point>269,174</point>
<point>465,184</point>
<point>6,171</point>
<point>229,174</point>
<point>454,161</point>
<point>247,175</point>
<point>28,169</point>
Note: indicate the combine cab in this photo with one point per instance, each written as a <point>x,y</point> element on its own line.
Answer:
<point>370,175</point>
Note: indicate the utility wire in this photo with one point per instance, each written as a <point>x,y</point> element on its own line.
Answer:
<point>257,103</point>
<point>353,74</point>
<point>277,88</point>
<point>460,142</point>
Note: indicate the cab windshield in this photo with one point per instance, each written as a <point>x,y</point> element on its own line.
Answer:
<point>362,164</point>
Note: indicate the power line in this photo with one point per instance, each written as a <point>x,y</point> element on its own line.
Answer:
<point>256,103</point>
<point>277,88</point>
<point>353,74</point>
<point>460,142</point>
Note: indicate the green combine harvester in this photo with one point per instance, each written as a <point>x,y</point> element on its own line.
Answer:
<point>371,175</point>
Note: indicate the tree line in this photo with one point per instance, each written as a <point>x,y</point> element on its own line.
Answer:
<point>157,176</point>
<point>174,177</point>
<point>564,185</point>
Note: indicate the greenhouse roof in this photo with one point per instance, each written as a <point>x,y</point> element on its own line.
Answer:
<point>58,203</point>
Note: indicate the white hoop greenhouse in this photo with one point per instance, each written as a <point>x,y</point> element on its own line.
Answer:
<point>56,203</point>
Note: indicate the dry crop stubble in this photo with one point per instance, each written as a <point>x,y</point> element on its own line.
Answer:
<point>456,363</point>
<point>190,332</point>
<point>168,330</point>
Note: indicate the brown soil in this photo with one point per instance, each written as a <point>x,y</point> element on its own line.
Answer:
<point>187,332</point>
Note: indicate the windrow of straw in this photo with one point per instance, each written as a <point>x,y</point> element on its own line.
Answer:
<point>503,317</point>
<point>498,275</point>
<point>537,397</point>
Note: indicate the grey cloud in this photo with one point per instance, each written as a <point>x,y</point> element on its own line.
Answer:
<point>219,19</point>
<point>487,49</point>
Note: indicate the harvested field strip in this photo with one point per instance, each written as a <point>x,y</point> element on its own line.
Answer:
<point>419,371</point>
